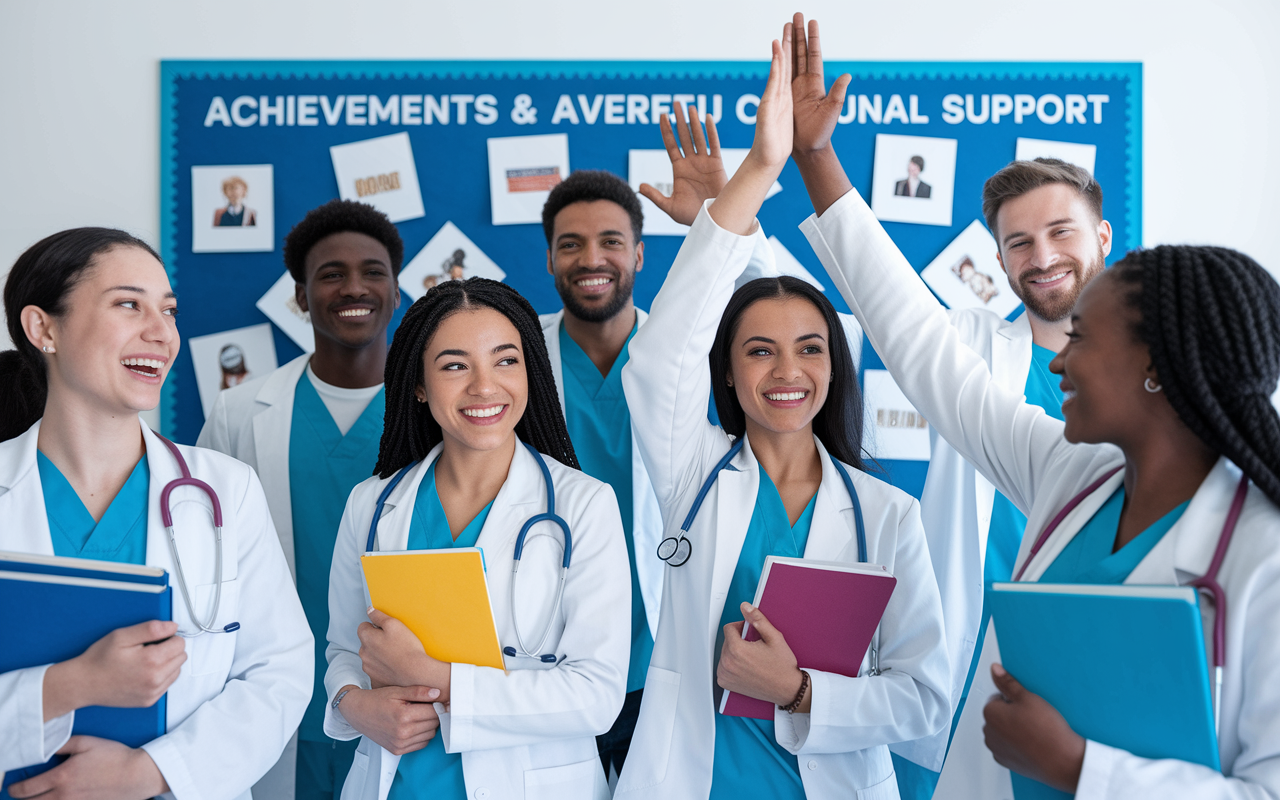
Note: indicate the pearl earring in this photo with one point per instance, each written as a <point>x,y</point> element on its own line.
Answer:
<point>48,349</point>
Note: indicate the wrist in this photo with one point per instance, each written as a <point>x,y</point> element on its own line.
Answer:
<point>64,689</point>
<point>805,156</point>
<point>145,774</point>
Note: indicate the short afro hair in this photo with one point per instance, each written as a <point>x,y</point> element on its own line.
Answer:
<point>587,185</point>
<point>339,216</point>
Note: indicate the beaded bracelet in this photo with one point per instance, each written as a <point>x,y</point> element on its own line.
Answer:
<point>791,707</point>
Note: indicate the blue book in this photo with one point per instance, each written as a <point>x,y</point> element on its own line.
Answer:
<point>50,617</point>
<point>82,568</point>
<point>1125,665</point>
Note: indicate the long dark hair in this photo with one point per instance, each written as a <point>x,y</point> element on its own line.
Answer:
<point>43,276</point>
<point>410,431</point>
<point>1211,319</point>
<point>838,424</point>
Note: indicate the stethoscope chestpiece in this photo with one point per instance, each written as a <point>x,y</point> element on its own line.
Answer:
<point>675,550</point>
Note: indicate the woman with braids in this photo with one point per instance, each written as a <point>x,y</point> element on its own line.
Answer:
<point>1169,367</point>
<point>471,411</point>
<point>774,356</point>
<point>93,317</point>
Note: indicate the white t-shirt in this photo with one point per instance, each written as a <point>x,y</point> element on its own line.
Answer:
<point>345,405</point>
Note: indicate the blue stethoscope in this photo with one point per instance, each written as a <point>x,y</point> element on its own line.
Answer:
<point>675,550</point>
<point>549,515</point>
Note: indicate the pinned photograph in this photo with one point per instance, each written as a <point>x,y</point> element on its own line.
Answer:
<point>893,428</point>
<point>966,273</point>
<point>280,304</point>
<point>654,168</point>
<point>230,358</point>
<point>381,173</point>
<point>232,209</point>
<point>1082,155</point>
<point>449,256</point>
<point>522,172</point>
<point>913,179</point>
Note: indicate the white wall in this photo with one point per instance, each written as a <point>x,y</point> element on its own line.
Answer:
<point>82,79</point>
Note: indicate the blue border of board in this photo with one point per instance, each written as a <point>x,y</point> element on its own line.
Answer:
<point>172,71</point>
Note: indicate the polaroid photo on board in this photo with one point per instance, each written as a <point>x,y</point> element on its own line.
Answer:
<point>280,304</point>
<point>230,358</point>
<point>1082,155</point>
<point>380,172</point>
<point>232,209</point>
<point>966,273</point>
<point>914,179</point>
<point>893,428</point>
<point>522,172</point>
<point>654,168</point>
<point>449,256</point>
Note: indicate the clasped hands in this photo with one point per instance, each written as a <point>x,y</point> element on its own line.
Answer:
<point>398,712</point>
<point>765,669</point>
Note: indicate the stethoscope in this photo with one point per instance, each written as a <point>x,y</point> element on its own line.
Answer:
<point>549,515</point>
<point>675,550</point>
<point>166,516</point>
<point>1206,583</point>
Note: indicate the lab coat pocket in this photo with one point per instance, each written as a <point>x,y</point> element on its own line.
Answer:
<point>886,789</point>
<point>568,782</point>
<point>212,653</point>
<point>650,749</point>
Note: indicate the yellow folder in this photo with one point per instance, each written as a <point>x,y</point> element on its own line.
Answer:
<point>441,596</point>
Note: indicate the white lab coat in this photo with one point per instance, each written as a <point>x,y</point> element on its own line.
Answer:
<point>239,695</point>
<point>252,423</point>
<point>527,732</point>
<point>841,743</point>
<point>646,517</point>
<point>1023,452</point>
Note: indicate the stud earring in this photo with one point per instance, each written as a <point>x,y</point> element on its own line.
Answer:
<point>48,349</point>
<point>1151,386</point>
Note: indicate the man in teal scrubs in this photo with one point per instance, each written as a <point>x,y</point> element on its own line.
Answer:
<point>1046,217</point>
<point>312,429</point>
<point>592,222</point>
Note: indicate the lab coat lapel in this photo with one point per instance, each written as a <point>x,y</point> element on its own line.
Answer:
<point>831,530</point>
<point>736,489</point>
<point>26,525</point>
<point>271,430</point>
<point>1187,548</point>
<point>397,511</point>
<point>551,333</point>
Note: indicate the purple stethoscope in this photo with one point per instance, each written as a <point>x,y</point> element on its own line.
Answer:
<point>1208,582</point>
<point>166,516</point>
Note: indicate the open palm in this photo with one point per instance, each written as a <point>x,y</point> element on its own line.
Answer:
<point>698,172</point>
<point>815,109</point>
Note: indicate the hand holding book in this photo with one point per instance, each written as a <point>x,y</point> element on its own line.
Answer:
<point>765,669</point>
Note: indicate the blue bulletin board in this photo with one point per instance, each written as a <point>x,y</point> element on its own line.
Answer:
<point>287,115</point>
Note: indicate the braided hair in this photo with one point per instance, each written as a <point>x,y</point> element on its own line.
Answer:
<point>1211,319</point>
<point>410,431</point>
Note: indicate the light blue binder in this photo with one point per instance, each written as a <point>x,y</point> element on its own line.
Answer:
<point>1125,665</point>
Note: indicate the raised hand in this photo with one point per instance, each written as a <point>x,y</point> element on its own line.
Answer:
<point>816,109</point>
<point>1029,736</point>
<point>698,171</point>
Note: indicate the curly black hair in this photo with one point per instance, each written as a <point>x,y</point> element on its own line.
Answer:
<point>586,185</point>
<point>338,216</point>
<point>410,431</point>
<point>1211,318</point>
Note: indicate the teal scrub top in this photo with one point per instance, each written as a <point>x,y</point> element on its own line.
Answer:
<point>749,762</point>
<point>600,429</point>
<point>431,772</point>
<point>120,535</point>
<point>1087,558</point>
<point>324,466</point>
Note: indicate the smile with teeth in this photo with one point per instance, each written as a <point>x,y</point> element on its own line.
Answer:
<point>483,412</point>
<point>589,282</point>
<point>778,396</point>
<point>150,367</point>
<point>1052,278</point>
<point>356,312</point>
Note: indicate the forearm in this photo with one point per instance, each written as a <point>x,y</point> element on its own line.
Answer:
<point>63,689</point>
<point>823,175</point>
<point>735,209</point>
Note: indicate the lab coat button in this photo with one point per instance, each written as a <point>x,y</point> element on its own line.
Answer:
<point>812,765</point>
<point>482,793</point>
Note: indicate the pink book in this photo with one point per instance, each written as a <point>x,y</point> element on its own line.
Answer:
<point>827,610</point>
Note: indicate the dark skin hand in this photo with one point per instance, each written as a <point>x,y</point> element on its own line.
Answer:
<point>1030,737</point>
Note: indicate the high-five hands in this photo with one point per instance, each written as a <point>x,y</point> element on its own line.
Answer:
<point>698,171</point>
<point>816,109</point>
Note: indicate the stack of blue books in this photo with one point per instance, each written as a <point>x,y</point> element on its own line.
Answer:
<point>55,608</point>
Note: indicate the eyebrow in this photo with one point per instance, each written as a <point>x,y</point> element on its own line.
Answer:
<point>564,236</point>
<point>767,340</point>
<point>1015,234</point>
<point>464,353</point>
<point>336,262</point>
<point>167,295</point>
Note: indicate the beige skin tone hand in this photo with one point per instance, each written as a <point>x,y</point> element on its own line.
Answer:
<point>698,171</point>
<point>765,669</point>
<point>128,668</point>
<point>99,769</point>
<point>1029,736</point>
<point>400,719</point>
